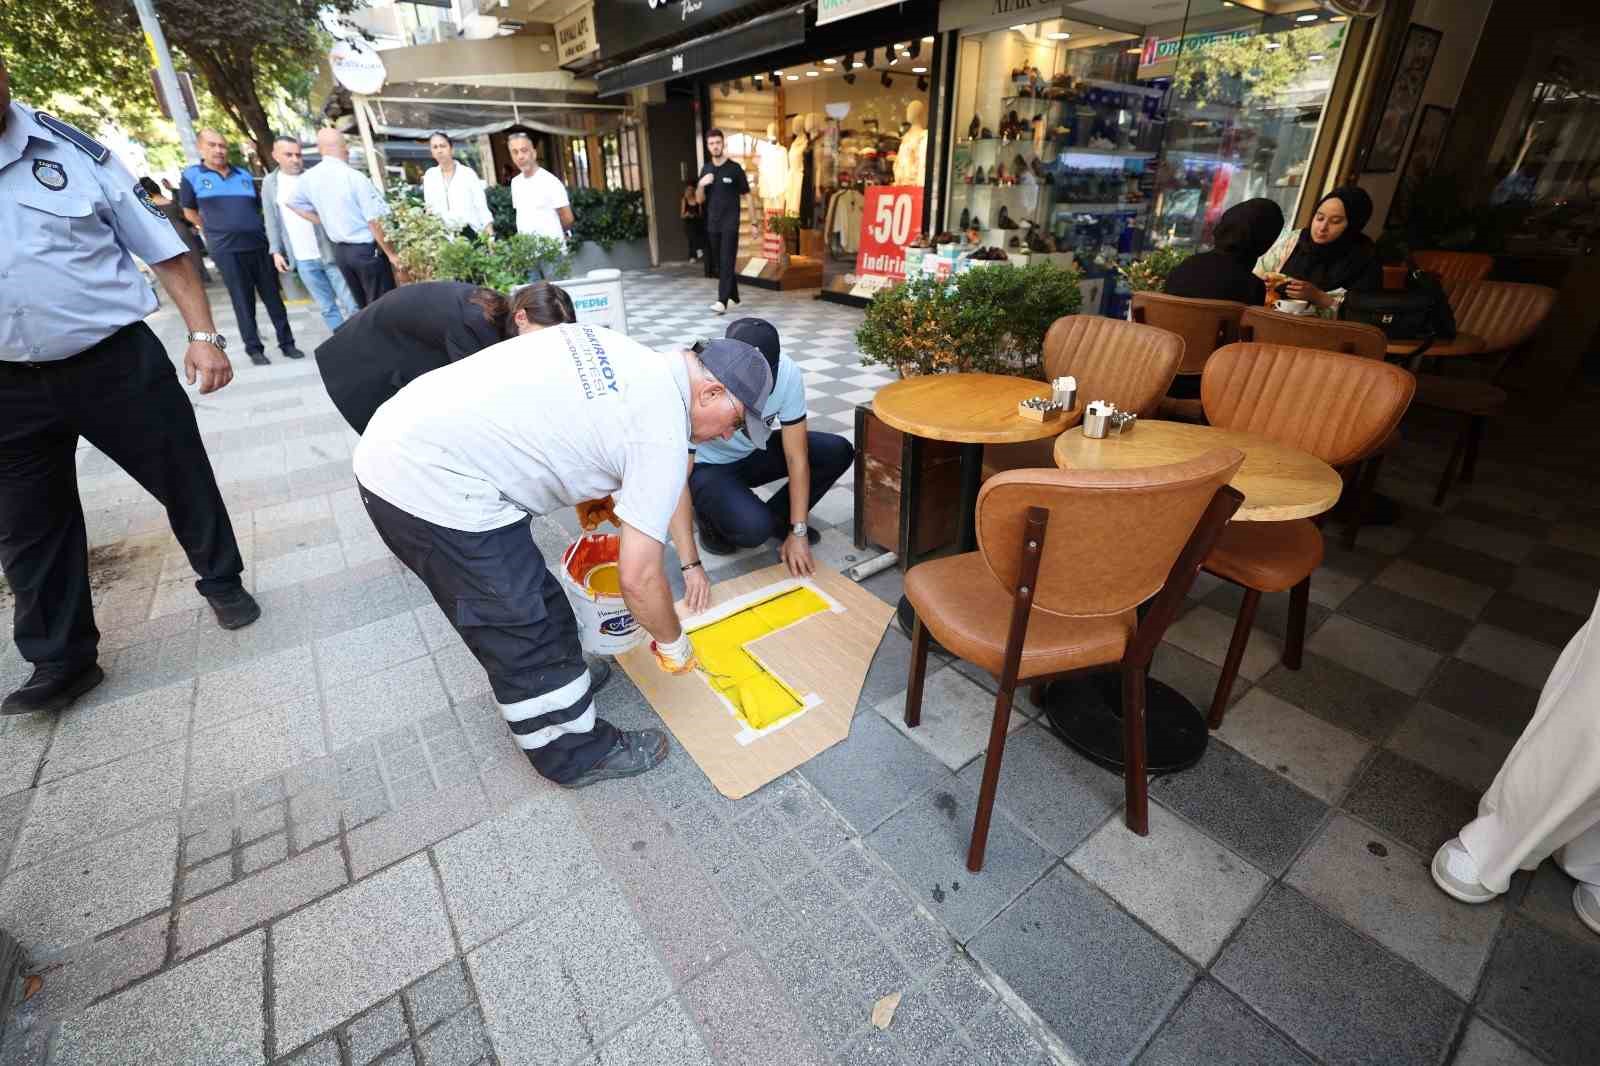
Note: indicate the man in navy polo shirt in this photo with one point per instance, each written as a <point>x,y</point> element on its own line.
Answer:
<point>222,201</point>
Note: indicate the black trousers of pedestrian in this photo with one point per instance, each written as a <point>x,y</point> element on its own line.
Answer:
<point>723,252</point>
<point>246,274</point>
<point>122,396</point>
<point>509,608</point>
<point>366,270</point>
<point>722,496</point>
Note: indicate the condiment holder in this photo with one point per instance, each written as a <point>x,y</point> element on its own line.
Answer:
<point>1102,419</point>
<point>1039,409</point>
<point>1064,391</point>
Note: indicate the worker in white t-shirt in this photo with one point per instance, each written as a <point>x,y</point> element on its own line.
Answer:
<point>452,467</point>
<point>538,196</point>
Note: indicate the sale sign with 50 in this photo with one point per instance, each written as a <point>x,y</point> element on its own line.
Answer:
<point>891,218</point>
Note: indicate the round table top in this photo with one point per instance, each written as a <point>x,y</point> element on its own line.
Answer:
<point>966,408</point>
<point>1279,483</point>
<point>1464,344</point>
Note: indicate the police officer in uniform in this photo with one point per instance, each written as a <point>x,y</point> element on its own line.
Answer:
<point>76,359</point>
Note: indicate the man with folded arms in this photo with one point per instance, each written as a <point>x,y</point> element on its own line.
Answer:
<point>452,467</point>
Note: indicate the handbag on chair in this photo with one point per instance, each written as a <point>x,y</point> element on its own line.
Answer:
<point>1420,311</point>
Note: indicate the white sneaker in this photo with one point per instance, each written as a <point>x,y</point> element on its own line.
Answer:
<point>717,307</point>
<point>1456,873</point>
<point>1586,901</point>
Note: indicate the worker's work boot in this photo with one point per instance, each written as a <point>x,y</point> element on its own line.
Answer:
<point>635,751</point>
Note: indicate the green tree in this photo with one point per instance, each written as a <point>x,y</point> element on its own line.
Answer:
<point>1253,68</point>
<point>94,51</point>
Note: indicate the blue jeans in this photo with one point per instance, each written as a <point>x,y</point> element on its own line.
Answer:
<point>327,287</point>
<point>722,496</point>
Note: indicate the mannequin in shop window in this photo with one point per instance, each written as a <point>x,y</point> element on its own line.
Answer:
<point>808,187</point>
<point>772,175</point>
<point>910,161</point>
<point>799,145</point>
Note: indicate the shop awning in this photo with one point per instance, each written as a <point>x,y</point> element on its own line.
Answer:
<point>769,33</point>
<point>417,109</point>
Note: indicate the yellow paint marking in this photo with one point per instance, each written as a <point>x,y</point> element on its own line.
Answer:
<point>759,696</point>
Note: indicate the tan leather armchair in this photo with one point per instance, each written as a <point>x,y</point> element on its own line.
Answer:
<point>1129,364</point>
<point>1064,557</point>
<point>1325,403</point>
<point>1204,325</point>
<point>1456,270</point>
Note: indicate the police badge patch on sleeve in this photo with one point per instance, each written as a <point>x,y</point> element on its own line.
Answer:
<point>50,174</point>
<point>144,198</point>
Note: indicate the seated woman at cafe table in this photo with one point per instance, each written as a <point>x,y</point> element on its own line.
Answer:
<point>1329,258</point>
<point>1242,235</point>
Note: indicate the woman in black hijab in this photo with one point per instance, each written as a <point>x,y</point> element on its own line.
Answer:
<point>1242,235</point>
<point>1332,256</point>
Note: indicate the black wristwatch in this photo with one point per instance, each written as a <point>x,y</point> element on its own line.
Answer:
<point>686,567</point>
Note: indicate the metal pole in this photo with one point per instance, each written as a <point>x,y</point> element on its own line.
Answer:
<point>374,167</point>
<point>168,77</point>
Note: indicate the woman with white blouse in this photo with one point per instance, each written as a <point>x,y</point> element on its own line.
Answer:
<point>454,192</point>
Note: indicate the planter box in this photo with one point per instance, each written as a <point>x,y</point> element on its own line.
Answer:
<point>625,255</point>
<point>880,454</point>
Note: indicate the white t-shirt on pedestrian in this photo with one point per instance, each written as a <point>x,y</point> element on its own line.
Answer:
<point>537,199</point>
<point>535,423</point>
<point>302,234</point>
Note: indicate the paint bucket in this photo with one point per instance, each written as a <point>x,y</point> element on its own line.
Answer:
<point>590,578</point>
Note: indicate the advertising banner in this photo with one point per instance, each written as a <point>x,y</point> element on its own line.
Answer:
<point>890,219</point>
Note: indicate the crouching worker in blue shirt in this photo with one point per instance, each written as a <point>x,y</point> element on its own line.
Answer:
<point>729,514</point>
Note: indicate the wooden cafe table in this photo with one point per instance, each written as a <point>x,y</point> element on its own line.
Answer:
<point>1279,483</point>
<point>966,409</point>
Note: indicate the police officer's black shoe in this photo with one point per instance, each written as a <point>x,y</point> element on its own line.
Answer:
<point>599,674</point>
<point>291,352</point>
<point>259,358</point>
<point>52,688</point>
<point>235,608</point>
<point>635,751</point>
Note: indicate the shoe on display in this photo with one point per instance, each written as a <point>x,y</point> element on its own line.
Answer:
<point>718,307</point>
<point>966,217</point>
<point>988,134</point>
<point>1015,242</point>
<point>998,175</point>
<point>1456,873</point>
<point>635,751</point>
<point>977,223</point>
<point>974,129</point>
<point>977,177</point>
<point>1004,221</point>
<point>235,608</point>
<point>52,688</point>
<point>1586,901</point>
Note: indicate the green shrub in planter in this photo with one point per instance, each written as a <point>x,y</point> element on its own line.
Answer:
<point>429,252</point>
<point>1149,272</point>
<point>989,321</point>
<point>501,209</point>
<point>607,217</point>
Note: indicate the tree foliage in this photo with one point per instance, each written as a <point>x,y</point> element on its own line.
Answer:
<point>93,52</point>
<point>1253,68</point>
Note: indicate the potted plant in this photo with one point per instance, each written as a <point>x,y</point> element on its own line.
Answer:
<point>609,229</point>
<point>1148,272</point>
<point>990,321</point>
<point>428,251</point>
<point>787,227</point>
<point>1394,254</point>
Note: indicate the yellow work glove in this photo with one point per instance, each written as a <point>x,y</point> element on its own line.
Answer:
<point>676,657</point>
<point>593,512</point>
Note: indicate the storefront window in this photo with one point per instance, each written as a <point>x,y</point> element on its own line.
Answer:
<point>1076,142</point>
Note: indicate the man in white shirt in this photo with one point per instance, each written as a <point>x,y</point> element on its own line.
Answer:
<point>538,195</point>
<point>452,467</point>
<point>346,204</point>
<point>299,245</point>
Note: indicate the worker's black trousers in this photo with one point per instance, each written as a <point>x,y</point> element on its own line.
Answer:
<point>123,397</point>
<point>509,608</point>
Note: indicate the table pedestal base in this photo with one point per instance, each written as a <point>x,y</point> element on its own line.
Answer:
<point>1086,713</point>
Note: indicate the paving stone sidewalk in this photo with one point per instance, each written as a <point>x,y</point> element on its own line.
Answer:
<point>312,841</point>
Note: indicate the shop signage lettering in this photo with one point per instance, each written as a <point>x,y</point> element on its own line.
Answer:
<point>575,37</point>
<point>1006,7</point>
<point>891,217</point>
<point>1158,49</point>
<point>834,10</point>
<point>623,28</point>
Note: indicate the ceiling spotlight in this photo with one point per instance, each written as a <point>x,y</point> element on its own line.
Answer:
<point>830,62</point>
<point>791,77</point>
<point>812,73</point>
<point>1059,35</point>
<point>922,84</point>
<point>919,70</point>
<point>857,65</point>
<point>1309,16</point>
<point>887,83</point>
<point>893,59</point>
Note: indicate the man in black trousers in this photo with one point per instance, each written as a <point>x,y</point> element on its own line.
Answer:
<point>722,185</point>
<point>222,201</point>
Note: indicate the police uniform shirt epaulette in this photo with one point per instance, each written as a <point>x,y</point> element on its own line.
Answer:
<point>85,143</point>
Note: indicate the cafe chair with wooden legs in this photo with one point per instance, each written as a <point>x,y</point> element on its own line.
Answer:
<point>1352,338</point>
<point>1324,403</point>
<point>1123,362</point>
<point>1507,315</point>
<point>1204,325</point>
<point>1064,557</point>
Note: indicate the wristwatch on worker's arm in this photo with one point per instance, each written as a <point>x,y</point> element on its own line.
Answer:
<point>216,340</point>
<point>799,529</point>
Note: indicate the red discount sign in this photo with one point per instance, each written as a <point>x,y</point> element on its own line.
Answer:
<point>890,219</point>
